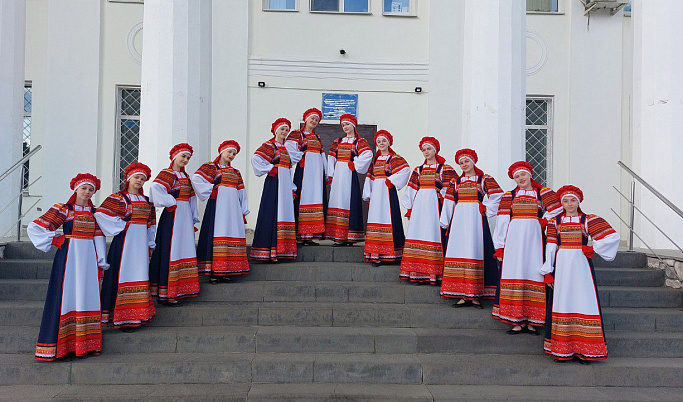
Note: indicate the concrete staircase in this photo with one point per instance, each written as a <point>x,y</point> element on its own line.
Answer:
<point>331,327</point>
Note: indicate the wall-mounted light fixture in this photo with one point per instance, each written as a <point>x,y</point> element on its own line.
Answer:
<point>262,84</point>
<point>418,89</point>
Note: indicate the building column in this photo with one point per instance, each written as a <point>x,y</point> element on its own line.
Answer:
<point>658,115</point>
<point>12,43</point>
<point>494,82</point>
<point>176,81</point>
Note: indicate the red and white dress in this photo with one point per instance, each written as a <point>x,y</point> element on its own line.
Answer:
<point>275,234</point>
<point>222,246</point>
<point>308,157</point>
<point>469,253</point>
<point>173,267</point>
<point>125,294</point>
<point>423,251</point>
<point>384,236</point>
<point>71,317</point>
<point>576,323</point>
<point>519,231</point>
<point>345,211</point>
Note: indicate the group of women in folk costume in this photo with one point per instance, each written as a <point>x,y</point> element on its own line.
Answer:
<point>448,241</point>
<point>77,305</point>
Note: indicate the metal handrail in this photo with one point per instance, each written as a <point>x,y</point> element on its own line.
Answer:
<point>633,208</point>
<point>20,196</point>
<point>652,189</point>
<point>20,162</point>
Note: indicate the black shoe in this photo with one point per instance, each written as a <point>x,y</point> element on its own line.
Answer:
<point>348,244</point>
<point>376,263</point>
<point>128,330</point>
<point>584,362</point>
<point>338,244</point>
<point>531,331</point>
<point>420,283</point>
<point>170,304</point>
<point>311,243</point>
<point>225,279</point>
<point>213,280</point>
<point>560,361</point>
<point>520,331</point>
<point>466,303</point>
<point>477,305</point>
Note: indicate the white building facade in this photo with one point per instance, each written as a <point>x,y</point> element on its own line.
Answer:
<point>535,80</point>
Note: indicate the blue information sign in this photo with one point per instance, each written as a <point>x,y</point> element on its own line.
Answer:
<point>335,105</point>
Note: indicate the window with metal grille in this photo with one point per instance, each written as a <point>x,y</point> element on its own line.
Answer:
<point>538,137</point>
<point>28,105</point>
<point>128,131</point>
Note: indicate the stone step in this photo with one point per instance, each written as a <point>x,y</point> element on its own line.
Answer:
<point>350,340</point>
<point>332,392</point>
<point>337,271</point>
<point>195,314</point>
<point>359,292</point>
<point>326,253</point>
<point>447,369</point>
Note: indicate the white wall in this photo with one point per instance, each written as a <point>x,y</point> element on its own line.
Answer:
<point>118,68</point>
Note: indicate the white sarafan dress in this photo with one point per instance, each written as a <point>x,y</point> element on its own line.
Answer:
<point>384,236</point>
<point>470,270</point>
<point>309,168</point>
<point>345,212</point>
<point>576,326</point>
<point>520,298</point>
<point>71,316</point>
<point>173,271</point>
<point>423,251</point>
<point>222,246</point>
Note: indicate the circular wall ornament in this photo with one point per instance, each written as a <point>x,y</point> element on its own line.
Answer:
<point>135,54</point>
<point>537,52</point>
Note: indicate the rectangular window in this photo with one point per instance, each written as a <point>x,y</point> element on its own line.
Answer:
<point>542,6</point>
<point>399,7</point>
<point>280,5</point>
<point>128,131</point>
<point>341,6</point>
<point>538,137</point>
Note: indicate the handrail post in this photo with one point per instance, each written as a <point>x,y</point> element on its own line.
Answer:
<point>21,198</point>
<point>632,215</point>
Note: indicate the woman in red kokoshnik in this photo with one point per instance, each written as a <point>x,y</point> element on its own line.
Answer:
<point>71,317</point>
<point>388,173</point>
<point>222,246</point>
<point>574,328</point>
<point>522,216</point>
<point>348,155</point>
<point>423,251</point>
<point>275,234</point>
<point>310,204</point>
<point>173,267</point>
<point>470,270</point>
<point>130,217</point>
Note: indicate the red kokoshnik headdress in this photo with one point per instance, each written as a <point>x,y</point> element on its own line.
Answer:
<point>136,168</point>
<point>523,166</point>
<point>434,143</point>
<point>312,112</point>
<point>225,145</point>
<point>349,118</point>
<point>470,154</point>
<point>279,123</point>
<point>81,179</point>
<point>570,191</point>
<point>388,136</point>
